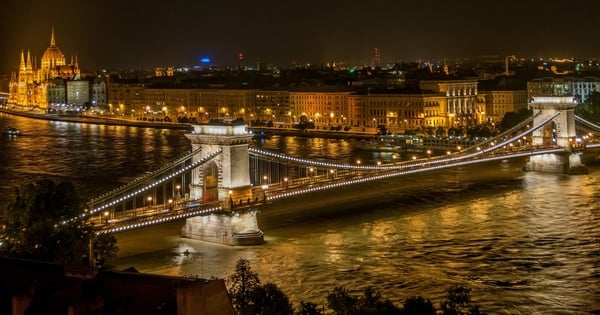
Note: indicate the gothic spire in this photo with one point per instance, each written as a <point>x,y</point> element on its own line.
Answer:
<point>29,66</point>
<point>52,41</point>
<point>22,64</point>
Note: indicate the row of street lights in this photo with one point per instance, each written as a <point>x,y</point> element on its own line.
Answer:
<point>149,202</point>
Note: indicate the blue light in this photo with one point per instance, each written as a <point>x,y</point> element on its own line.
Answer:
<point>205,60</point>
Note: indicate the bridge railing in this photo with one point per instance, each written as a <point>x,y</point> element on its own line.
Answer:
<point>170,165</point>
<point>134,189</point>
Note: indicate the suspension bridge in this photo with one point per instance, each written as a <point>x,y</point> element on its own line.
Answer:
<point>220,185</point>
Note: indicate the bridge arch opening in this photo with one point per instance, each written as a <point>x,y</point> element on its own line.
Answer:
<point>211,182</point>
<point>549,134</point>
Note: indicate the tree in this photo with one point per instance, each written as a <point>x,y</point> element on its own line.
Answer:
<point>308,308</point>
<point>459,302</point>
<point>105,249</point>
<point>440,131</point>
<point>268,299</point>
<point>341,302</point>
<point>44,222</point>
<point>372,303</point>
<point>242,284</point>
<point>512,119</point>
<point>417,305</point>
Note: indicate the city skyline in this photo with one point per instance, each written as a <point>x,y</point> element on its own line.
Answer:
<point>140,34</point>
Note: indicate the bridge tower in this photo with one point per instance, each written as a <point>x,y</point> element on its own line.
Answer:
<point>225,179</point>
<point>560,132</point>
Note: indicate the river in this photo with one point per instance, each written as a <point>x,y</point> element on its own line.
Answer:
<point>525,243</point>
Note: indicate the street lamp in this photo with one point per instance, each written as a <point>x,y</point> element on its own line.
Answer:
<point>177,189</point>
<point>285,180</point>
<point>265,187</point>
<point>149,201</point>
<point>106,213</point>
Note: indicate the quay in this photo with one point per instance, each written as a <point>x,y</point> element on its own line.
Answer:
<point>94,119</point>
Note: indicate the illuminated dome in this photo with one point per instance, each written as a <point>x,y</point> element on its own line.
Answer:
<point>52,56</point>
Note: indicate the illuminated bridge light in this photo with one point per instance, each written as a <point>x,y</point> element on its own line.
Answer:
<point>367,172</point>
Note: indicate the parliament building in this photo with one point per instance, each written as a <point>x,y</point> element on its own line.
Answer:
<point>46,84</point>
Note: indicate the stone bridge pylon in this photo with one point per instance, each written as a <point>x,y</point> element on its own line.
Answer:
<point>223,179</point>
<point>560,132</point>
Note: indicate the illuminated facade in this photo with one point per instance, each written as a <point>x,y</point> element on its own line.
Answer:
<point>461,98</point>
<point>126,99</point>
<point>498,103</point>
<point>98,96</point>
<point>445,104</point>
<point>399,111</point>
<point>272,105</point>
<point>324,108</point>
<point>29,86</point>
<point>137,100</point>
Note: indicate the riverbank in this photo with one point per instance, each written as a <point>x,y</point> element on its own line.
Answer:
<point>102,120</point>
<point>258,131</point>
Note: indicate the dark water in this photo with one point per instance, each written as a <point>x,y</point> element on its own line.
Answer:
<point>526,243</point>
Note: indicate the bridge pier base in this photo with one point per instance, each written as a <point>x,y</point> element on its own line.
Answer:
<point>565,163</point>
<point>227,227</point>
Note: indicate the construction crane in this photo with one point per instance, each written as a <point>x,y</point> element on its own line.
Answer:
<point>506,63</point>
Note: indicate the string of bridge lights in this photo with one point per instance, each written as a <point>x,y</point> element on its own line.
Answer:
<point>171,164</point>
<point>159,181</point>
<point>286,194</point>
<point>136,225</point>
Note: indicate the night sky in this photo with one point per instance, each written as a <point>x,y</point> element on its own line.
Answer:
<point>133,33</point>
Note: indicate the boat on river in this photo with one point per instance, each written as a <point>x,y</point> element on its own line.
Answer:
<point>11,131</point>
<point>392,143</point>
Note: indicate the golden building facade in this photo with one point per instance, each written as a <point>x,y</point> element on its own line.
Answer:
<point>398,111</point>
<point>461,100</point>
<point>498,103</point>
<point>29,86</point>
<point>324,108</point>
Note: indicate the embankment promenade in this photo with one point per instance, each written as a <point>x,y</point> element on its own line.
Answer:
<point>91,119</point>
<point>115,120</point>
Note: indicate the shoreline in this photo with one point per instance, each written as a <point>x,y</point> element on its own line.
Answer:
<point>258,131</point>
<point>97,120</point>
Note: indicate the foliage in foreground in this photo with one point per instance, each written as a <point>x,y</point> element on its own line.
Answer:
<point>43,222</point>
<point>250,297</point>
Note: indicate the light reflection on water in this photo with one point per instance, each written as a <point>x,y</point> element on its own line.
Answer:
<point>526,243</point>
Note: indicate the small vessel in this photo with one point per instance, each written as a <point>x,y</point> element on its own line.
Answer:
<point>392,143</point>
<point>11,131</point>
